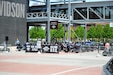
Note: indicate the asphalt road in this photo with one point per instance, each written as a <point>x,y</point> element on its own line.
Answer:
<point>21,63</point>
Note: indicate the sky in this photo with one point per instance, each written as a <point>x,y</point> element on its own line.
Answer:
<point>96,0</point>
<point>35,3</point>
<point>75,0</point>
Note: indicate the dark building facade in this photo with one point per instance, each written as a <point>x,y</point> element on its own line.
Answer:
<point>13,20</point>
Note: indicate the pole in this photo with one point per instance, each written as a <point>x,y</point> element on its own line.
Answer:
<point>85,33</point>
<point>48,22</point>
<point>64,32</point>
<point>69,17</point>
<point>27,5</point>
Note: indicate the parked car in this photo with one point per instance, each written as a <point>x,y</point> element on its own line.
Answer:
<point>108,68</point>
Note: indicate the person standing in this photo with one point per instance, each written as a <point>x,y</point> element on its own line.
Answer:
<point>17,43</point>
<point>106,52</point>
<point>107,47</point>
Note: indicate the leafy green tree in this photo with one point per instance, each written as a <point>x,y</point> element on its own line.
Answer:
<point>94,32</point>
<point>53,33</point>
<point>91,33</point>
<point>80,31</point>
<point>40,32</point>
<point>33,32</point>
<point>61,31</point>
<point>72,34</point>
<point>37,32</point>
<point>57,33</point>
<point>99,31</point>
<point>108,31</point>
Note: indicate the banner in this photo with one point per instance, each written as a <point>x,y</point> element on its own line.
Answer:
<point>54,24</point>
<point>111,24</point>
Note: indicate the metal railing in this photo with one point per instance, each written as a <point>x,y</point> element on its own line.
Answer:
<point>92,48</point>
<point>44,14</point>
<point>36,14</point>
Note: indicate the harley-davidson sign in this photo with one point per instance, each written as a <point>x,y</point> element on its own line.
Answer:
<point>54,24</point>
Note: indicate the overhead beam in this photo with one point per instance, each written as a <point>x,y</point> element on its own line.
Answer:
<point>80,14</point>
<point>95,13</point>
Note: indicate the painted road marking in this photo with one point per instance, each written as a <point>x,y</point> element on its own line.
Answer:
<point>75,69</point>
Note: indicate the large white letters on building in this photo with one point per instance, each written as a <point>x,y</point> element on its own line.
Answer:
<point>12,9</point>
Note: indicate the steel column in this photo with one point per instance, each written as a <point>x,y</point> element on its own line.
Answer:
<point>64,31</point>
<point>69,17</point>
<point>85,33</point>
<point>48,21</point>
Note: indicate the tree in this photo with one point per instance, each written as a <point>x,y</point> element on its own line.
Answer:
<point>37,32</point>
<point>91,33</point>
<point>108,31</point>
<point>40,32</point>
<point>33,32</point>
<point>61,31</point>
<point>80,31</point>
<point>99,32</point>
<point>57,33</point>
